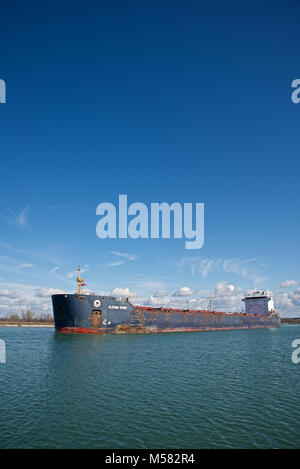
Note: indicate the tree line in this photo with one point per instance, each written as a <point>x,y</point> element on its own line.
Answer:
<point>28,316</point>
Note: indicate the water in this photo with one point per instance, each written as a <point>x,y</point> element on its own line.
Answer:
<point>233,389</point>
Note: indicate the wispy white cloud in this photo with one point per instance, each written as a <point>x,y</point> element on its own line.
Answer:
<point>125,255</point>
<point>224,296</point>
<point>122,292</point>
<point>153,300</point>
<point>13,249</point>
<point>46,292</point>
<point>17,297</point>
<point>288,303</point>
<point>24,266</point>
<point>20,218</point>
<point>147,286</point>
<point>8,293</point>
<point>115,263</point>
<point>184,291</point>
<point>251,268</point>
<point>160,293</point>
<point>123,258</point>
<point>289,284</point>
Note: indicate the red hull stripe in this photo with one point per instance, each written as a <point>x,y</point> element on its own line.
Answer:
<point>85,330</point>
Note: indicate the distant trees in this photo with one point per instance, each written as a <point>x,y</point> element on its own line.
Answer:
<point>47,318</point>
<point>29,316</point>
<point>14,317</point>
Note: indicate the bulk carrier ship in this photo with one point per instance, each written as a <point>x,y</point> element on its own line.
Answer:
<point>82,313</point>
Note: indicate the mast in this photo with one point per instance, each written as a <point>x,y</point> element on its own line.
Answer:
<point>80,281</point>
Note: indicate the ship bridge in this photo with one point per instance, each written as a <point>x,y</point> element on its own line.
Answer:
<point>258,302</point>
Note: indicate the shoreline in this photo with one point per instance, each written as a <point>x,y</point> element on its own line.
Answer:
<point>284,321</point>
<point>290,320</point>
<point>11,324</point>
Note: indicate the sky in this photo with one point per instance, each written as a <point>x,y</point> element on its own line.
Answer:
<point>186,102</point>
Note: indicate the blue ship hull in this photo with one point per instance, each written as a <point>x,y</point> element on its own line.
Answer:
<point>104,314</point>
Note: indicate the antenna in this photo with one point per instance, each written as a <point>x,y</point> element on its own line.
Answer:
<point>80,281</point>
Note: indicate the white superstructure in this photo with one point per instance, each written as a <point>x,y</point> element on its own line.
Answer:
<point>258,302</point>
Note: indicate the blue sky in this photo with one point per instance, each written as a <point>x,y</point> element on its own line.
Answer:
<point>162,101</point>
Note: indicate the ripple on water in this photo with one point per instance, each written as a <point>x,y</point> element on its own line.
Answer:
<point>233,389</point>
